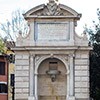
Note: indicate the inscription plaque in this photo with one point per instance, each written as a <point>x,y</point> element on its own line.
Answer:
<point>52,31</point>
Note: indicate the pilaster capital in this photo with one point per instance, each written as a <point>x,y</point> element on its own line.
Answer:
<point>32,55</point>
<point>71,55</point>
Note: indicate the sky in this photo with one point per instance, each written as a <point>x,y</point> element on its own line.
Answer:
<point>87,8</point>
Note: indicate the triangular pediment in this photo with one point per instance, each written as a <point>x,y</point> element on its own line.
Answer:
<point>52,9</point>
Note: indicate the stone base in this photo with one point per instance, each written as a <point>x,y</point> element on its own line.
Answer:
<point>31,98</point>
<point>71,98</point>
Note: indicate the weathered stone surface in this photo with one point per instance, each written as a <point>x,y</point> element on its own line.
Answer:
<point>81,68</point>
<point>81,62</point>
<point>19,68</point>
<point>81,73</point>
<point>18,57</point>
<point>81,84</point>
<point>82,78</point>
<point>22,79</point>
<point>21,96</point>
<point>22,84</point>
<point>25,68</point>
<point>52,38</point>
<point>21,62</point>
<point>21,90</point>
<point>22,73</point>
<point>82,96</point>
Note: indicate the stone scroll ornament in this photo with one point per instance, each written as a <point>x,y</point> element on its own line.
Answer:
<point>52,9</point>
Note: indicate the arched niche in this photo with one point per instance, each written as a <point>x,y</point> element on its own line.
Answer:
<point>48,89</point>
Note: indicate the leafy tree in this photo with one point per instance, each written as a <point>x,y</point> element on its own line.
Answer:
<point>94,37</point>
<point>2,46</point>
<point>13,27</point>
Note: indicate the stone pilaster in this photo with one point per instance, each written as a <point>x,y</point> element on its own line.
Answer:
<point>36,92</point>
<point>31,82</point>
<point>71,80</point>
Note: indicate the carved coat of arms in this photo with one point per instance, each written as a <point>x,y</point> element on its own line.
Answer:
<point>52,9</point>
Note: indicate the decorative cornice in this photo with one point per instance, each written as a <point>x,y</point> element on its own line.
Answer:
<point>53,48</point>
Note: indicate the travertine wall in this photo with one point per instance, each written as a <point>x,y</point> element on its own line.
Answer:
<point>82,75</point>
<point>22,76</point>
<point>52,35</point>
